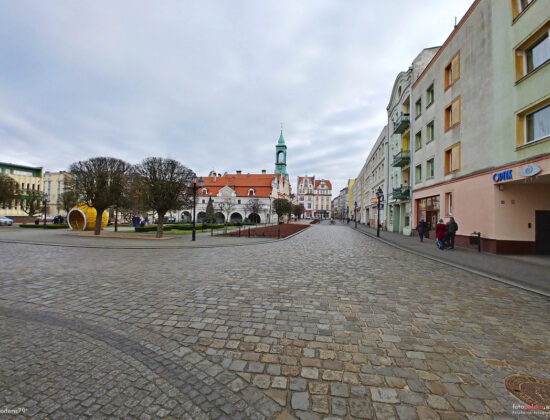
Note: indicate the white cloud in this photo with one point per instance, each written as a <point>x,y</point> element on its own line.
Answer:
<point>208,82</point>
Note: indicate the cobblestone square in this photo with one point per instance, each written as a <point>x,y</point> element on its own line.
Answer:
<point>327,324</point>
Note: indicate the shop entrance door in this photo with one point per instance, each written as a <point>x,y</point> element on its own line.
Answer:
<point>431,221</point>
<point>542,232</point>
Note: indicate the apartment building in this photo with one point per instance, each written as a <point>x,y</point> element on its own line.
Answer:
<point>481,128</point>
<point>26,178</point>
<point>54,186</point>
<point>399,207</point>
<point>376,167</point>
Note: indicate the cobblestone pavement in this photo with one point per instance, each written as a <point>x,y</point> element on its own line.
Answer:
<point>328,324</point>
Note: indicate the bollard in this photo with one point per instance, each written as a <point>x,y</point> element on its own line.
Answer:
<point>279,233</point>
<point>249,232</point>
<point>212,231</point>
<point>239,231</point>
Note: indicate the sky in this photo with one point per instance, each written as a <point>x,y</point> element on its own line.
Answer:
<point>208,83</point>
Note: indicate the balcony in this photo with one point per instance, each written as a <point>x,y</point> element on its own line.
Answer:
<point>401,123</point>
<point>402,193</point>
<point>403,158</point>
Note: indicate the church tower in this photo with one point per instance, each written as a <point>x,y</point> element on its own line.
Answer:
<point>280,156</point>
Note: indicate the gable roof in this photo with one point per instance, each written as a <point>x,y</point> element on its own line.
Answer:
<point>326,181</point>
<point>241,183</point>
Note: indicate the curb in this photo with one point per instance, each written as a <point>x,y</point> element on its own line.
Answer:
<point>272,241</point>
<point>461,267</point>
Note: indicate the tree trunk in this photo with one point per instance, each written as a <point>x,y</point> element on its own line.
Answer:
<point>160,224</point>
<point>97,229</point>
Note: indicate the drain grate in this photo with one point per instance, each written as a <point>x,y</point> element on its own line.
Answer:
<point>529,389</point>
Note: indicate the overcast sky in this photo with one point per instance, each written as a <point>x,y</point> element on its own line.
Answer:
<point>207,82</point>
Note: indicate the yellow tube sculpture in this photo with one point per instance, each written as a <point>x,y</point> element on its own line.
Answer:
<point>82,217</point>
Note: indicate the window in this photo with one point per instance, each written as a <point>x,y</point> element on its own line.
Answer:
<point>429,132</point>
<point>533,53</point>
<point>418,173</point>
<point>205,191</point>
<point>430,168</point>
<point>533,124</point>
<point>538,54</point>
<point>418,140</point>
<point>449,203</point>
<point>452,71</point>
<point>418,108</point>
<point>452,114</point>
<point>251,191</point>
<point>518,6</point>
<point>452,159</point>
<point>537,124</point>
<point>430,95</point>
<point>238,201</point>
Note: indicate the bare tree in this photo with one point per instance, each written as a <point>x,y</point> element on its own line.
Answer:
<point>226,206</point>
<point>67,200</point>
<point>100,182</point>
<point>163,184</point>
<point>31,202</point>
<point>254,205</point>
<point>8,189</point>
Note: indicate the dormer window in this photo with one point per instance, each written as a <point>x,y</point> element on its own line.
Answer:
<point>251,191</point>
<point>204,191</point>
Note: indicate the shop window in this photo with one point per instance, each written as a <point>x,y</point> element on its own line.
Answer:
<point>430,95</point>
<point>452,159</point>
<point>533,124</point>
<point>452,114</point>
<point>452,71</point>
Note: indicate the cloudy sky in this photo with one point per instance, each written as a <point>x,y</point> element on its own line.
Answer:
<point>207,82</point>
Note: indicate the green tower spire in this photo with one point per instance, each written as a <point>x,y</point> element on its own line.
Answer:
<point>280,156</point>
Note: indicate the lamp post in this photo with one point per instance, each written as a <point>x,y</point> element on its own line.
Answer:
<point>355,214</point>
<point>45,202</point>
<point>193,184</point>
<point>379,194</point>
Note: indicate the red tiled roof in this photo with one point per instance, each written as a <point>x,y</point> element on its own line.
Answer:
<point>241,183</point>
<point>326,181</point>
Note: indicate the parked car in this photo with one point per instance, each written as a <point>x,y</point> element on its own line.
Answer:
<point>6,221</point>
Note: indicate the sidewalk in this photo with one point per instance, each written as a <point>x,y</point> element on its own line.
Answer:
<point>530,272</point>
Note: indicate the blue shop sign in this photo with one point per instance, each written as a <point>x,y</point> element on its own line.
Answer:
<point>502,176</point>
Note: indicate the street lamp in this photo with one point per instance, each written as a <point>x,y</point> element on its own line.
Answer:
<point>355,216</point>
<point>193,184</point>
<point>45,202</point>
<point>379,194</point>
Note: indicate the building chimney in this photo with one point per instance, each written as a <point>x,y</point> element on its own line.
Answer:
<point>239,172</point>
<point>264,171</point>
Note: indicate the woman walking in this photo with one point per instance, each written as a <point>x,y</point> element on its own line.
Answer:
<point>440,229</point>
<point>420,229</point>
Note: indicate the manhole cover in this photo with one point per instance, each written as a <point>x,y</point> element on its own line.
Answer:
<point>529,389</point>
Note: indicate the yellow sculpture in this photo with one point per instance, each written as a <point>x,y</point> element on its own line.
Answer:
<point>82,217</point>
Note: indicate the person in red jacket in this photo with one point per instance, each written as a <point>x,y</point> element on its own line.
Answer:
<point>440,229</point>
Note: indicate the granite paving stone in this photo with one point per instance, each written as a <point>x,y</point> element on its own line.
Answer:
<point>358,329</point>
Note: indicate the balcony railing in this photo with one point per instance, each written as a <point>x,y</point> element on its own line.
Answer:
<point>402,193</point>
<point>401,123</point>
<point>402,158</point>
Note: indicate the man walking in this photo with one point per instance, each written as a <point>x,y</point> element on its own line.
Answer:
<point>452,227</point>
<point>420,228</point>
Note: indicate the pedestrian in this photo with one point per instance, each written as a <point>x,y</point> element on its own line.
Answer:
<point>420,228</point>
<point>452,227</point>
<point>440,229</point>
